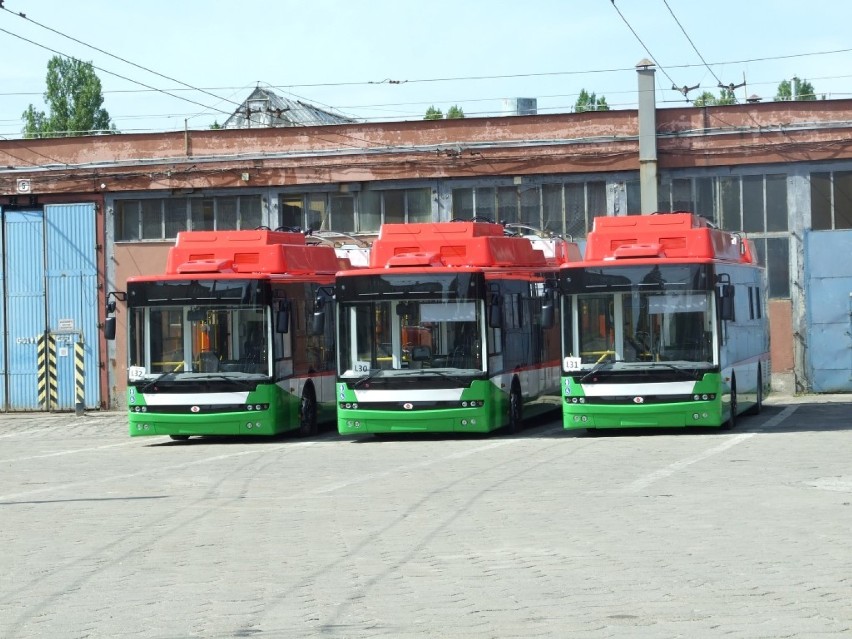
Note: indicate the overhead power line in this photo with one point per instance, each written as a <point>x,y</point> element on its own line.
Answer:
<point>694,48</point>
<point>206,107</point>
<point>644,46</point>
<point>107,53</point>
<point>117,75</point>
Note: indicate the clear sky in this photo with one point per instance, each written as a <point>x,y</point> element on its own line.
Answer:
<point>380,60</point>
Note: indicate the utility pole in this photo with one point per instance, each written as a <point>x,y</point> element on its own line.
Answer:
<point>647,137</point>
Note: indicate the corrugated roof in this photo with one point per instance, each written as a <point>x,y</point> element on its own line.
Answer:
<point>265,108</point>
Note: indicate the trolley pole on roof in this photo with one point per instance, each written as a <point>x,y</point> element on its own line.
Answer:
<point>647,137</point>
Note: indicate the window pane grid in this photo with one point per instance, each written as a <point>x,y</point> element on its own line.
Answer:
<point>843,200</point>
<point>152,219</point>
<point>164,218</point>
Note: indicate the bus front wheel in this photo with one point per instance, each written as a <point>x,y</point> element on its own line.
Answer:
<point>516,408</point>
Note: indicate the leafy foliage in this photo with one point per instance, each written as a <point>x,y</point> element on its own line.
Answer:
<point>74,99</point>
<point>455,113</point>
<point>433,114</point>
<point>726,96</point>
<point>590,102</point>
<point>796,90</point>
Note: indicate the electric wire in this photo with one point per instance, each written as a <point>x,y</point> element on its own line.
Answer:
<point>391,81</point>
<point>107,53</point>
<point>124,60</point>
<point>206,107</point>
<point>117,75</point>
<point>248,113</point>
<point>694,48</point>
<point>644,46</point>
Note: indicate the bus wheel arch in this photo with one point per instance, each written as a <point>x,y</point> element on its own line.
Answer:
<point>758,396</point>
<point>732,420</point>
<point>516,406</point>
<point>308,411</point>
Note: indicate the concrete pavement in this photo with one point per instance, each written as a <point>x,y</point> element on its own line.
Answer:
<point>743,533</point>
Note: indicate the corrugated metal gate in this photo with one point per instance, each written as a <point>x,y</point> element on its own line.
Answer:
<point>49,315</point>
<point>828,272</point>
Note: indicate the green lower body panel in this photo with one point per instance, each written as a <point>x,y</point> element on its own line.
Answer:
<point>677,415</point>
<point>362,421</point>
<point>267,410</point>
<point>679,404</point>
<point>254,423</point>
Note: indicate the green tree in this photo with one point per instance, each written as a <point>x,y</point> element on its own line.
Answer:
<point>433,114</point>
<point>216,125</point>
<point>796,90</point>
<point>74,99</point>
<point>705,99</point>
<point>726,96</point>
<point>590,102</point>
<point>455,113</point>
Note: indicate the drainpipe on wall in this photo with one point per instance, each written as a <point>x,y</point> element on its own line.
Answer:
<point>187,145</point>
<point>647,136</point>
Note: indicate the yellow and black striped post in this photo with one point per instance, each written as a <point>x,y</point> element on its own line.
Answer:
<point>52,378</point>
<point>42,371</point>
<point>79,378</point>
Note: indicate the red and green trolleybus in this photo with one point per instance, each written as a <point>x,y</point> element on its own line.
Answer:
<point>664,324</point>
<point>222,343</point>
<point>453,328</point>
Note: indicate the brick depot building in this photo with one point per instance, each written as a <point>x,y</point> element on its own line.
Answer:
<point>82,214</point>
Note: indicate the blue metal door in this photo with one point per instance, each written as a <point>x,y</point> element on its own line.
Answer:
<point>72,303</point>
<point>3,375</point>
<point>24,303</point>
<point>829,310</point>
<point>50,312</point>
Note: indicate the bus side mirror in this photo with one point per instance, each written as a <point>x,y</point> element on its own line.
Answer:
<point>726,302</point>
<point>548,315</point>
<point>282,318</point>
<point>495,312</point>
<point>318,323</point>
<point>112,299</point>
<point>109,327</point>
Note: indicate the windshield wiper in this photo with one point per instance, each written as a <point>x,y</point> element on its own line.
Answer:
<point>609,361</point>
<point>240,382</point>
<point>159,378</point>
<point>363,380</point>
<point>453,378</point>
<point>683,373</point>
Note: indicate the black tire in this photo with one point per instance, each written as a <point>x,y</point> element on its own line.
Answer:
<point>732,420</point>
<point>308,412</point>
<point>516,408</point>
<point>179,438</point>
<point>758,405</point>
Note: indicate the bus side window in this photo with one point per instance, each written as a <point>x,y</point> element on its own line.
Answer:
<point>726,302</point>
